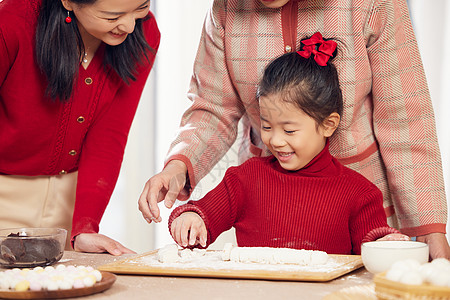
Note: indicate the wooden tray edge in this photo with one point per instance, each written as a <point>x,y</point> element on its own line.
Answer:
<point>121,267</point>
<point>381,282</point>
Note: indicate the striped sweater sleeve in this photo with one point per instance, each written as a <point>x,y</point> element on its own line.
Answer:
<point>209,127</point>
<point>403,119</point>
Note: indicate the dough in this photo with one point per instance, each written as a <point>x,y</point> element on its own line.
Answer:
<point>411,272</point>
<point>268,255</point>
<point>168,254</point>
<point>49,278</point>
<point>411,277</point>
<point>191,253</point>
<point>186,254</point>
<point>440,278</point>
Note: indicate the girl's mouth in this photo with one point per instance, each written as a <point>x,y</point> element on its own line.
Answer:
<point>284,156</point>
<point>117,35</point>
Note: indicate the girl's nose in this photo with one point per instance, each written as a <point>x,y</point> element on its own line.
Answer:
<point>277,140</point>
<point>128,24</point>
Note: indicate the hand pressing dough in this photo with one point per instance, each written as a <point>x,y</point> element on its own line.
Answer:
<point>267,255</point>
<point>168,254</point>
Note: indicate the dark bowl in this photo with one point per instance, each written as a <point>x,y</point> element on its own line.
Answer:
<point>31,247</point>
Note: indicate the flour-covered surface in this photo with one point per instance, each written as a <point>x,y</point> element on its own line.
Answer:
<point>210,264</point>
<point>213,261</point>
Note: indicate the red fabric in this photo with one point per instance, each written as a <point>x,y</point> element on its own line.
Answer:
<point>324,206</point>
<point>377,233</point>
<point>38,134</point>
<point>324,51</point>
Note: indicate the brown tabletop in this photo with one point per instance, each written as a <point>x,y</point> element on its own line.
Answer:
<point>129,287</point>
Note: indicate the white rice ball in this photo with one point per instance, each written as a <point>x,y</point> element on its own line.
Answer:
<point>440,278</point>
<point>412,277</point>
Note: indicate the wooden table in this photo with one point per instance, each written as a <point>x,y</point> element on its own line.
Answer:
<point>129,287</point>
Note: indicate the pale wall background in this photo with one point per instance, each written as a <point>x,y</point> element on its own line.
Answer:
<point>164,100</point>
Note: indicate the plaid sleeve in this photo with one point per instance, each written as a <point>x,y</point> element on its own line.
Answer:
<point>403,120</point>
<point>209,127</point>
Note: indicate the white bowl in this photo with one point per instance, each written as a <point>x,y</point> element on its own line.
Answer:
<point>378,256</point>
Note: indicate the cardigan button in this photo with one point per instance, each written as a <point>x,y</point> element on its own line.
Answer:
<point>72,152</point>
<point>288,48</point>
<point>62,172</point>
<point>88,80</point>
<point>81,119</point>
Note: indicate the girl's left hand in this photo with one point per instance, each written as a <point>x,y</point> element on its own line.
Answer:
<point>99,243</point>
<point>394,237</point>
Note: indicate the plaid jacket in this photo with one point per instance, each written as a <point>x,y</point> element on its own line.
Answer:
<point>387,131</point>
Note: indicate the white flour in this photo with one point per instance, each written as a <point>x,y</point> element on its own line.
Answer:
<point>212,260</point>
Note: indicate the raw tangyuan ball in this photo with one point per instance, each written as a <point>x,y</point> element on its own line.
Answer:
<point>412,277</point>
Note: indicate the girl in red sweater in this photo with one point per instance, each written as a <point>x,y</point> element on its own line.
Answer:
<point>300,197</point>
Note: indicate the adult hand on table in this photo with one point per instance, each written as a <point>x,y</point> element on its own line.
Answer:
<point>168,185</point>
<point>437,243</point>
<point>99,243</point>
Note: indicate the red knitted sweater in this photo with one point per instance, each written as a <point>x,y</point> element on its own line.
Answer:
<point>324,206</point>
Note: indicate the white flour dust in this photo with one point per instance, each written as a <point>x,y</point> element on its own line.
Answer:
<point>212,260</point>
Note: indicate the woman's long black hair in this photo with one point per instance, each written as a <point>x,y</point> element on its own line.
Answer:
<point>59,48</point>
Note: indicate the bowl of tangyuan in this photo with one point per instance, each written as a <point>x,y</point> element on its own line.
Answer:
<point>31,247</point>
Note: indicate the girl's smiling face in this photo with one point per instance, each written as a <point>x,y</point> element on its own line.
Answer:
<point>109,21</point>
<point>292,136</point>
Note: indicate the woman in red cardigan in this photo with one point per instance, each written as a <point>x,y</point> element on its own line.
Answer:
<point>71,76</point>
<point>300,197</point>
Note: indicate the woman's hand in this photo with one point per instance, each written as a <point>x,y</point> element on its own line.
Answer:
<point>99,243</point>
<point>394,237</point>
<point>189,230</point>
<point>168,186</point>
<point>437,243</point>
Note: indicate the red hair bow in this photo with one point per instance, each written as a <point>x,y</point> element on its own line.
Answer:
<point>323,53</point>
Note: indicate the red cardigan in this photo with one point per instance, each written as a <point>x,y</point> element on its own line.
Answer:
<point>42,137</point>
<point>324,206</point>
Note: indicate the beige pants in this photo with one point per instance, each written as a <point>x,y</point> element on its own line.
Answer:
<point>38,201</point>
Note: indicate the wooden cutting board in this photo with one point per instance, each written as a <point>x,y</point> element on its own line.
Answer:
<point>211,265</point>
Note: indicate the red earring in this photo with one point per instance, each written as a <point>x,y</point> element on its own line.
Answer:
<point>68,19</point>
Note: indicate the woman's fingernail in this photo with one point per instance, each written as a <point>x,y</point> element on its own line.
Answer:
<point>148,220</point>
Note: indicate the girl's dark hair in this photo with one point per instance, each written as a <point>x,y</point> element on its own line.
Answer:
<point>301,81</point>
<point>59,48</point>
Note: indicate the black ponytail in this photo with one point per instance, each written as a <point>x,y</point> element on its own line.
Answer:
<point>303,82</point>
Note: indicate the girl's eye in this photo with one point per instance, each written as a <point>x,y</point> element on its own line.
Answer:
<point>143,7</point>
<point>113,20</point>
<point>290,131</point>
<point>265,127</point>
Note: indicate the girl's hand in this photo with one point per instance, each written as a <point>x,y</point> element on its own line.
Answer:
<point>189,230</point>
<point>394,237</point>
<point>99,243</point>
<point>168,186</point>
